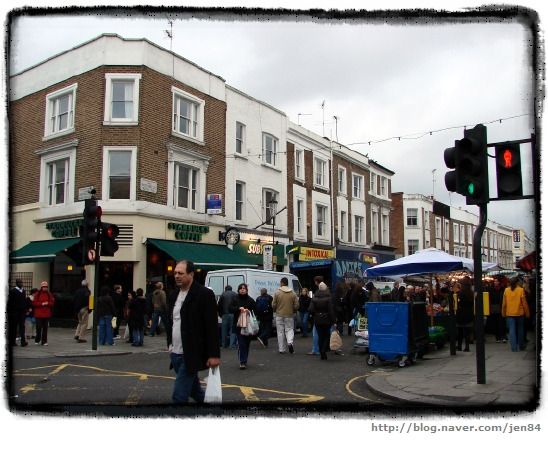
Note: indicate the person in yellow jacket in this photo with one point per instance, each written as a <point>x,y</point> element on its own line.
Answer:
<point>515,309</point>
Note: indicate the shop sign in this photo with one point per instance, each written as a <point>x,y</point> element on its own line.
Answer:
<point>370,258</point>
<point>188,232</point>
<point>315,254</point>
<point>67,228</point>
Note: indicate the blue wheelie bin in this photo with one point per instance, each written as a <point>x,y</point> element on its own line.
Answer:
<point>392,332</point>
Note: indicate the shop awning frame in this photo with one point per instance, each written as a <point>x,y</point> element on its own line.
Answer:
<point>203,255</point>
<point>41,250</point>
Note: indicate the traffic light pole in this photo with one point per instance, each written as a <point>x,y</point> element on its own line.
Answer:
<point>96,288</point>
<point>479,334</point>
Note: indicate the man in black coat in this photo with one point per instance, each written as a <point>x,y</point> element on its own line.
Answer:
<point>192,333</point>
<point>18,306</point>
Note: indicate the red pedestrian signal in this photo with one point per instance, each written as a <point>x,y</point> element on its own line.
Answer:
<point>508,163</point>
<point>109,245</point>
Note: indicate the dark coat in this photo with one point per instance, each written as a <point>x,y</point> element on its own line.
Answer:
<point>105,306</point>
<point>119,302</point>
<point>465,310</point>
<point>246,302</point>
<point>81,298</point>
<point>199,326</point>
<point>304,303</point>
<point>18,302</point>
<point>268,314</point>
<point>136,316</point>
<point>321,308</point>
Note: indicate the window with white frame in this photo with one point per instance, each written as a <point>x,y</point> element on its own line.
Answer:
<point>321,221</point>
<point>357,186</point>
<point>342,181</point>
<point>299,216</point>
<point>240,200</point>
<point>446,229</point>
<point>455,232</point>
<point>119,173</point>
<point>57,168</point>
<point>122,98</point>
<point>342,226</point>
<point>268,197</point>
<point>358,229</point>
<point>426,220</point>
<point>299,163</point>
<point>188,115</point>
<point>373,186</point>
<point>383,186</point>
<point>240,138</point>
<point>412,217</point>
<point>438,228</point>
<point>462,234</point>
<point>412,247</point>
<point>186,178</point>
<point>374,229</point>
<point>60,107</point>
<point>385,229</point>
<point>270,149</point>
<point>320,172</point>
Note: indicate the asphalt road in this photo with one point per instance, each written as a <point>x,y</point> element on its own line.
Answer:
<point>272,382</point>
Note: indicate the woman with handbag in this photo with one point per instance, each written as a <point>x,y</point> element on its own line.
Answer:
<point>323,317</point>
<point>241,306</point>
<point>515,309</point>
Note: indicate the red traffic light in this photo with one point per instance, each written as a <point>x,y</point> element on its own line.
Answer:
<point>509,177</point>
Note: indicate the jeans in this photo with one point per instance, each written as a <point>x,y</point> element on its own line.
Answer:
<point>186,385</point>
<point>226,329</point>
<point>284,329</point>
<point>138,337</point>
<point>323,338</point>
<point>244,341</point>
<point>304,322</point>
<point>265,329</point>
<point>513,322</point>
<point>315,341</point>
<point>105,330</point>
<point>158,314</point>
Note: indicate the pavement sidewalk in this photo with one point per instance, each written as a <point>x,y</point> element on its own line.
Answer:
<point>61,343</point>
<point>441,379</point>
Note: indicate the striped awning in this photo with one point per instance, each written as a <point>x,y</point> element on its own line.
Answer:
<point>527,263</point>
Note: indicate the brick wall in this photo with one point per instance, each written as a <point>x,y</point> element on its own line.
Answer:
<point>27,117</point>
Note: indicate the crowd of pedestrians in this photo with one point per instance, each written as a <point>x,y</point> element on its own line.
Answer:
<point>191,317</point>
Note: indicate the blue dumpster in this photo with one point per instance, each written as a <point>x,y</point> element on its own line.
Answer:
<point>396,331</point>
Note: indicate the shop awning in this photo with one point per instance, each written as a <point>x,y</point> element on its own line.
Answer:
<point>41,250</point>
<point>209,257</point>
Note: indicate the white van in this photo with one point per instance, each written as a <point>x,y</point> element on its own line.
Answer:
<point>255,279</point>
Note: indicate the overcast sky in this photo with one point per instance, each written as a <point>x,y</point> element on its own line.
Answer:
<point>402,91</point>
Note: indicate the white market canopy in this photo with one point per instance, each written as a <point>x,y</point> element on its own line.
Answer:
<point>430,260</point>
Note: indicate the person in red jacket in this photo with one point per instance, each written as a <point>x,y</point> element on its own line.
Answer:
<point>42,303</point>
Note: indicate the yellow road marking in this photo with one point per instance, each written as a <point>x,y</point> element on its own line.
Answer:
<point>250,394</point>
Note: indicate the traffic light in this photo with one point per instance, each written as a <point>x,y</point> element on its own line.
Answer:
<point>469,159</point>
<point>109,245</point>
<point>89,230</point>
<point>508,162</point>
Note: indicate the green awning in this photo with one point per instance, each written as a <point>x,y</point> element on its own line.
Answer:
<point>209,257</point>
<point>41,250</point>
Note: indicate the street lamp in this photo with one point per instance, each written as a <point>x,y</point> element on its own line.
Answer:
<point>273,204</point>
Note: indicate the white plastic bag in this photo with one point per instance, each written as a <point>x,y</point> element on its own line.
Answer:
<point>253,323</point>
<point>214,392</point>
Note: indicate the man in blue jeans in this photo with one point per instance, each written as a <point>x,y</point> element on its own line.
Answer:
<point>192,333</point>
